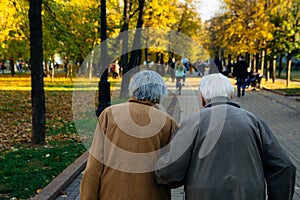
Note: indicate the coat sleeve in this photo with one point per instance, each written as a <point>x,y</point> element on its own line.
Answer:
<point>172,167</point>
<point>91,180</point>
<point>279,171</point>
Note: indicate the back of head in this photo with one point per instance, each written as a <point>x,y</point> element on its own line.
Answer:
<point>179,65</point>
<point>147,85</point>
<point>215,85</point>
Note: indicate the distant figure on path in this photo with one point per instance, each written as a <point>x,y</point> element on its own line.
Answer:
<point>180,76</point>
<point>172,69</point>
<point>240,71</point>
<point>224,152</point>
<point>2,66</point>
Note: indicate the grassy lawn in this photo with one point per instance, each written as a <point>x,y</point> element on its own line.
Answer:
<point>26,169</point>
<point>280,86</point>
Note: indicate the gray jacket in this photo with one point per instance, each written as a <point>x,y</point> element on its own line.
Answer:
<point>225,152</point>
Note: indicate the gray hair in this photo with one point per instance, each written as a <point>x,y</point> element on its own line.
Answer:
<point>215,85</point>
<point>147,85</point>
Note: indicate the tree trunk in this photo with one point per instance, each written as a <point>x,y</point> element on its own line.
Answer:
<point>257,62</point>
<point>103,85</point>
<point>91,65</point>
<point>47,69</point>
<point>124,57</point>
<point>146,54</point>
<point>137,37</point>
<point>12,67</point>
<point>223,58</point>
<point>70,70</point>
<point>37,82</point>
<point>53,70</point>
<point>268,71</point>
<point>263,61</point>
<point>66,68</point>
<point>280,65</point>
<point>135,53</point>
<point>274,70</point>
<point>288,71</point>
<point>248,58</point>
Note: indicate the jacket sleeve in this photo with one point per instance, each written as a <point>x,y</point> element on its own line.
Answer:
<point>172,167</point>
<point>279,171</point>
<point>91,180</point>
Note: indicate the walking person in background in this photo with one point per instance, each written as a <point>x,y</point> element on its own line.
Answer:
<point>224,152</point>
<point>117,69</point>
<point>127,142</point>
<point>180,75</point>
<point>172,69</point>
<point>240,71</point>
<point>2,66</point>
<point>185,63</point>
<point>201,68</point>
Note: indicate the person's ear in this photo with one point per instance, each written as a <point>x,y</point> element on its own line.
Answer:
<point>202,100</point>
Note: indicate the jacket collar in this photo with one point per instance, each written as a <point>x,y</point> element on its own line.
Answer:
<point>146,102</point>
<point>219,101</point>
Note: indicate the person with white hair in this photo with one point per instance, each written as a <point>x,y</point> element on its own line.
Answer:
<point>226,152</point>
<point>127,142</point>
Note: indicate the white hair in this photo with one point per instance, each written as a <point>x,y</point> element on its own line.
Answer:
<point>147,85</point>
<point>215,85</point>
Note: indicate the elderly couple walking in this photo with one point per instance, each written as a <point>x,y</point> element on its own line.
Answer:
<point>220,152</point>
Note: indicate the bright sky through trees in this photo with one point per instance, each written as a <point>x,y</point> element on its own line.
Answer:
<point>208,8</point>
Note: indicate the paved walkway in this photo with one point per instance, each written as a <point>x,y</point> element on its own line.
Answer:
<point>282,114</point>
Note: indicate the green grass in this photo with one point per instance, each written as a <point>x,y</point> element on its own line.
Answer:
<point>290,91</point>
<point>67,128</point>
<point>26,170</point>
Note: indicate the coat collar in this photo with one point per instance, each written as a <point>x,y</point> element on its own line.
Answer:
<point>146,102</point>
<point>219,101</point>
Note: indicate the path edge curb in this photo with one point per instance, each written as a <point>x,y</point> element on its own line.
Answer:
<point>52,190</point>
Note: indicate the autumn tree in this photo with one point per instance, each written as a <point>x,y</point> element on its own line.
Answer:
<point>135,53</point>
<point>285,15</point>
<point>14,30</point>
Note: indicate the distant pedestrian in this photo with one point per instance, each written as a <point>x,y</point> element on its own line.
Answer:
<point>201,68</point>
<point>66,70</point>
<point>240,71</point>
<point>172,69</point>
<point>114,69</point>
<point>2,67</point>
<point>127,143</point>
<point>180,76</point>
<point>185,63</point>
<point>224,152</point>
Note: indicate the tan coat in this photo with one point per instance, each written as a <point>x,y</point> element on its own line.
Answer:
<point>127,142</point>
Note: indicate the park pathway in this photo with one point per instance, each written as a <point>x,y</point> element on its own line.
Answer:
<point>282,114</point>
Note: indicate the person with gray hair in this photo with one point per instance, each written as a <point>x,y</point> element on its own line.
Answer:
<point>148,85</point>
<point>128,140</point>
<point>226,152</point>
